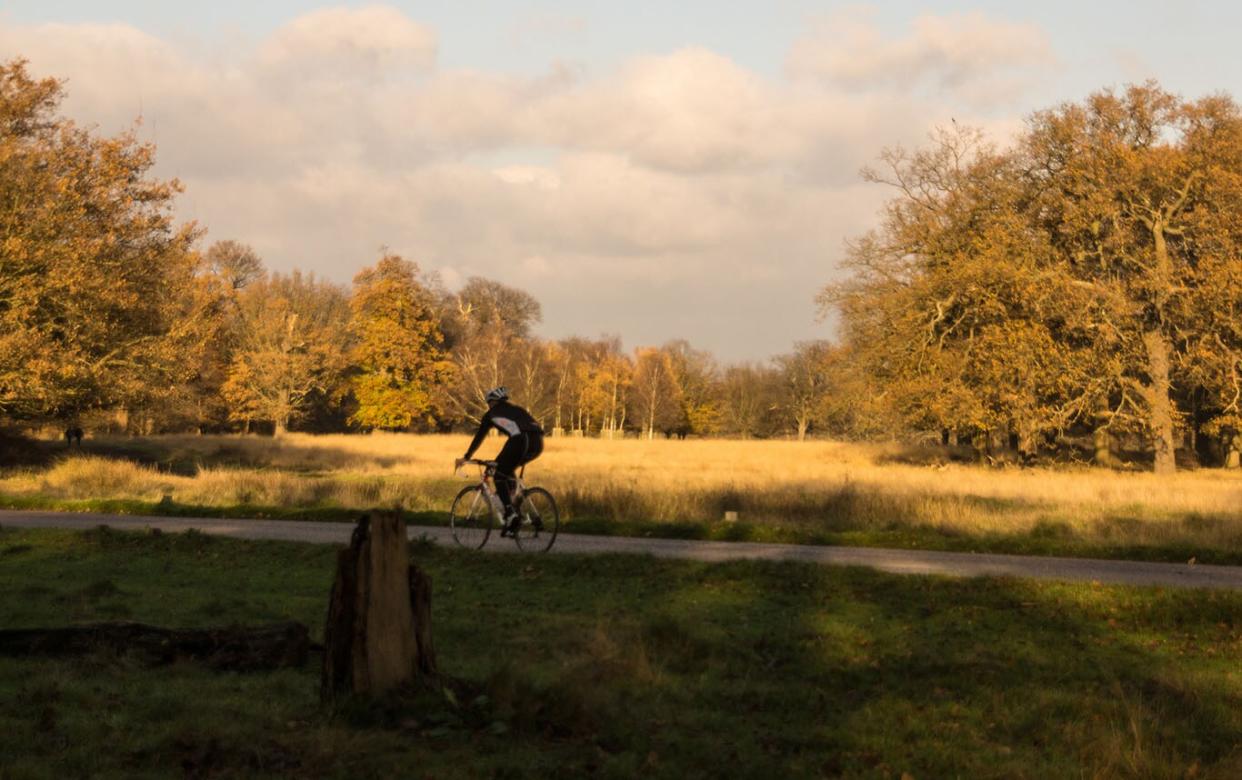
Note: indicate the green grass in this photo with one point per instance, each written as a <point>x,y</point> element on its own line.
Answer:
<point>622,666</point>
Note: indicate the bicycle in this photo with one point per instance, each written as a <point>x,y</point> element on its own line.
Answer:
<point>477,510</point>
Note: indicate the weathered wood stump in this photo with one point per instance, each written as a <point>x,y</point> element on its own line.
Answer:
<point>378,631</point>
<point>235,648</point>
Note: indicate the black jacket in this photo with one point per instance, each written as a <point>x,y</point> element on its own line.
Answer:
<point>510,419</point>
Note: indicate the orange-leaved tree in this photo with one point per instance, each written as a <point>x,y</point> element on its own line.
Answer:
<point>402,369</point>
<point>291,347</point>
<point>92,266</point>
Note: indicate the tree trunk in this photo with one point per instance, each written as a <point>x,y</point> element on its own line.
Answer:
<point>378,631</point>
<point>235,648</point>
<point>802,426</point>
<point>1103,443</point>
<point>1028,450</point>
<point>979,442</point>
<point>1233,451</point>
<point>1160,406</point>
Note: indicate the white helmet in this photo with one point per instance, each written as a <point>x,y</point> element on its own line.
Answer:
<point>496,394</point>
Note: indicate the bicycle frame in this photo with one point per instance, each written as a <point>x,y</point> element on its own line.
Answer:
<point>538,519</point>
<point>487,482</point>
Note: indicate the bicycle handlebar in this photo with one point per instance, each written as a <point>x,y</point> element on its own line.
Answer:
<point>486,465</point>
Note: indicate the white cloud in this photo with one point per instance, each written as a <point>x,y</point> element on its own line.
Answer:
<point>968,54</point>
<point>677,177</point>
<point>529,175</point>
<point>372,41</point>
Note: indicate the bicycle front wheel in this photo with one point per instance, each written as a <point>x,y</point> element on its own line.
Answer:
<point>540,521</point>
<point>471,518</point>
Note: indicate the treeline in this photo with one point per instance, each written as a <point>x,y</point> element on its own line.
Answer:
<point>1079,290</point>
<point>398,352</point>
<point>1086,281</point>
<point>111,313</point>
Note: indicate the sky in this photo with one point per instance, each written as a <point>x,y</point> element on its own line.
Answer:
<point>651,170</point>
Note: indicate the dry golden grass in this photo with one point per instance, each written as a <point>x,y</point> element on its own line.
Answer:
<point>800,488</point>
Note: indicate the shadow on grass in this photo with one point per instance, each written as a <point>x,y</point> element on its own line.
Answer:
<point>743,668</point>
<point>626,666</point>
<point>17,451</point>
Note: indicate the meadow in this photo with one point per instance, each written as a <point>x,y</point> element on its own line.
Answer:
<point>625,666</point>
<point>810,492</point>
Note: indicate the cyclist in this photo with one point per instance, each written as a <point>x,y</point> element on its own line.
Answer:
<point>524,445</point>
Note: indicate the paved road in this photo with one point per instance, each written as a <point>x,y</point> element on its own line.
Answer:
<point>894,561</point>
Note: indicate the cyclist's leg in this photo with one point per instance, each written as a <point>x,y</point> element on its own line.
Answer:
<point>534,448</point>
<point>507,463</point>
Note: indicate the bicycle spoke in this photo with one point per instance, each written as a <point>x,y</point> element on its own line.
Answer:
<point>540,521</point>
<point>470,519</point>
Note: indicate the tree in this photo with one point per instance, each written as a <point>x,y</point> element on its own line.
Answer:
<point>481,323</point>
<point>92,268</point>
<point>804,381</point>
<point>401,366</point>
<point>1081,277</point>
<point>656,395</point>
<point>1130,191</point>
<point>291,345</point>
<point>958,307</point>
<point>613,377</point>
<point>856,407</point>
<point>749,396</point>
<point>533,366</point>
<point>234,263</point>
<point>694,376</point>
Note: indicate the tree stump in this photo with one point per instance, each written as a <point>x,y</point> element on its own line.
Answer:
<point>378,631</point>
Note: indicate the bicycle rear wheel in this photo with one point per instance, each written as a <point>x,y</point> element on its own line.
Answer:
<point>471,518</point>
<point>540,521</point>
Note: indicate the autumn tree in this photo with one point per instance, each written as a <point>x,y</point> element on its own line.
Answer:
<point>92,266</point>
<point>481,323</point>
<point>855,406</point>
<point>613,379</point>
<point>1082,277</point>
<point>234,264</point>
<point>1211,355</point>
<point>1130,192</point>
<point>401,368</point>
<point>656,395</point>
<point>533,376</point>
<point>804,382</point>
<point>292,342</point>
<point>694,373</point>
<point>207,330</point>
<point>749,397</point>
<point>957,308</point>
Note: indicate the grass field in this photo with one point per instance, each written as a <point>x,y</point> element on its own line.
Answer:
<point>628,666</point>
<point>819,492</point>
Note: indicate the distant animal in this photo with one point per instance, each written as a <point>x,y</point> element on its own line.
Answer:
<point>73,435</point>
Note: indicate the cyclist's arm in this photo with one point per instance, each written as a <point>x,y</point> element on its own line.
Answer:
<point>484,426</point>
